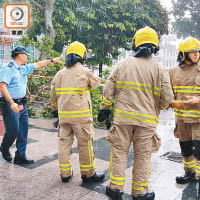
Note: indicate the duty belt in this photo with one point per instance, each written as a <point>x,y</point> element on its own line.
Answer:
<point>22,100</point>
<point>18,101</point>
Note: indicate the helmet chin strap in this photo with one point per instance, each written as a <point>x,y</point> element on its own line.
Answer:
<point>187,58</point>
<point>191,62</point>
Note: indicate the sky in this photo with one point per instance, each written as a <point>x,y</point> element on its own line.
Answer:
<point>167,4</point>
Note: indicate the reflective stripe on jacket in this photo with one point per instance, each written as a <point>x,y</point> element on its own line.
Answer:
<point>71,96</point>
<point>141,88</point>
<point>185,81</point>
<point>137,86</point>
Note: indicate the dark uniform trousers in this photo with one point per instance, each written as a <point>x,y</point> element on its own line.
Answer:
<point>16,127</point>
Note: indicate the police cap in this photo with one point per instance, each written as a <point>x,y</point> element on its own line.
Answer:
<point>18,50</point>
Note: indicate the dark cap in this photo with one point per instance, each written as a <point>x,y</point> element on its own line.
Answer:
<point>18,50</point>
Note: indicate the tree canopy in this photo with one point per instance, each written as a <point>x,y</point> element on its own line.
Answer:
<point>187,18</point>
<point>102,25</point>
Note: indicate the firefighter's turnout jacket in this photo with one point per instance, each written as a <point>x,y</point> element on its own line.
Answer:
<point>185,80</point>
<point>141,88</point>
<point>70,94</point>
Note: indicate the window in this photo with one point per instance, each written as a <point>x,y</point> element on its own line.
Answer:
<point>1,52</point>
<point>12,46</point>
<point>31,52</point>
<point>1,17</point>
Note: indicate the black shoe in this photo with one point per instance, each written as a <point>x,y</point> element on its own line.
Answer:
<point>114,194</point>
<point>18,160</point>
<point>147,196</point>
<point>6,154</point>
<point>96,178</point>
<point>66,179</point>
<point>187,178</point>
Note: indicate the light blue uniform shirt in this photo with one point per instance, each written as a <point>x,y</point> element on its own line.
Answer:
<point>16,78</point>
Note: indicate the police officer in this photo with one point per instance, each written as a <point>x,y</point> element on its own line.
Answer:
<point>13,84</point>
<point>185,79</point>
<point>70,95</point>
<point>141,88</point>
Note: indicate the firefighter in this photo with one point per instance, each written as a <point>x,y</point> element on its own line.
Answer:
<point>70,95</point>
<point>141,88</point>
<point>185,80</point>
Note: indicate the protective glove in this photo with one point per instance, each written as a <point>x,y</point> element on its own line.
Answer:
<point>55,113</point>
<point>56,123</point>
<point>104,116</point>
<point>178,104</point>
<point>108,123</point>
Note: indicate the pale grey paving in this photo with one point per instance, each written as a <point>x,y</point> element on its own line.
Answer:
<point>42,180</point>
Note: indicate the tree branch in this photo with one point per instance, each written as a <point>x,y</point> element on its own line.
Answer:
<point>37,4</point>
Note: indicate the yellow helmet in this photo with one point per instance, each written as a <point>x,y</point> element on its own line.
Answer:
<point>189,44</point>
<point>144,36</point>
<point>77,48</point>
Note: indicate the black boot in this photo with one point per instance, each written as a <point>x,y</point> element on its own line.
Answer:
<point>6,154</point>
<point>114,194</point>
<point>96,178</point>
<point>187,178</point>
<point>21,160</point>
<point>66,179</point>
<point>147,196</point>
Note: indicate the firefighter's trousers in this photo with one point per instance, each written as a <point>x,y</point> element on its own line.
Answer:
<point>145,141</point>
<point>189,138</point>
<point>83,133</point>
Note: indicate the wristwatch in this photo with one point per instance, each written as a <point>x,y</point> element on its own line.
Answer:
<point>52,60</point>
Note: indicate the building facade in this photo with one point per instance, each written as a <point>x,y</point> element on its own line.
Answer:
<point>167,54</point>
<point>9,39</point>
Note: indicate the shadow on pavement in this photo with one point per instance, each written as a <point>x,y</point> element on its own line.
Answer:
<point>191,192</point>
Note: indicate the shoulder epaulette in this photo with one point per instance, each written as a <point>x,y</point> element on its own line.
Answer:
<point>10,64</point>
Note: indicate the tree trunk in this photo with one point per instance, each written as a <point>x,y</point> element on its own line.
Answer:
<point>100,69</point>
<point>48,11</point>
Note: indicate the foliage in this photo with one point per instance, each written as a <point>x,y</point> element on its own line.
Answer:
<point>106,25</point>
<point>96,96</point>
<point>31,111</point>
<point>103,25</point>
<point>96,101</point>
<point>187,18</point>
<point>46,113</point>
